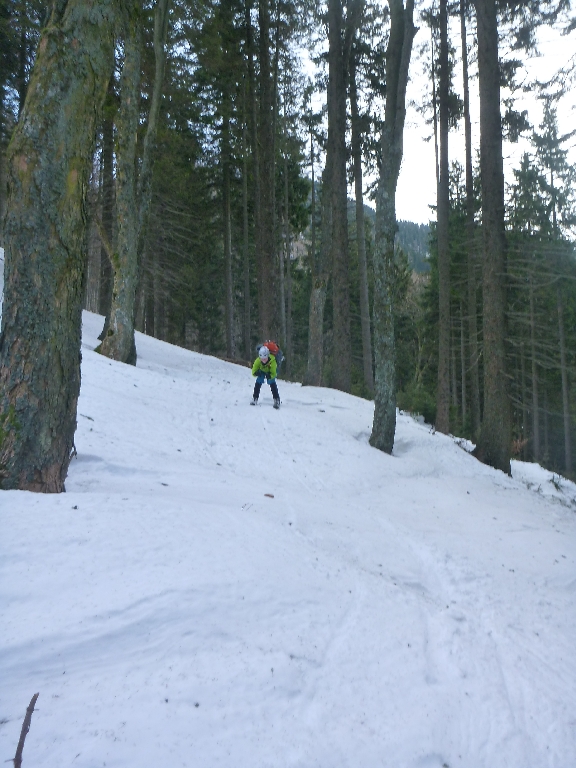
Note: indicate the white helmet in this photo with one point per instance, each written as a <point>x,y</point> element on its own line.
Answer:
<point>263,352</point>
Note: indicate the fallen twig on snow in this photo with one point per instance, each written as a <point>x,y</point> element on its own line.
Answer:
<point>24,731</point>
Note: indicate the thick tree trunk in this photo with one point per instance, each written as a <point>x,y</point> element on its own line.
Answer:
<point>342,351</point>
<point>494,444</point>
<point>133,193</point>
<point>49,163</point>
<point>565,388</point>
<point>360,232</point>
<point>470,238</point>
<point>118,342</point>
<point>443,210</point>
<point>3,145</point>
<point>399,51</point>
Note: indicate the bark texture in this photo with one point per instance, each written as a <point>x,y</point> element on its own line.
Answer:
<point>360,230</point>
<point>565,386</point>
<point>443,208</point>
<point>49,162</point>
<point>494,444</point>
<point>313,376</point>
<point>470,237</point>
<point>337,69</point>
<point>265,245</point>
<point>399,51</point>
<point>105,292</point>
<point>133,190</point>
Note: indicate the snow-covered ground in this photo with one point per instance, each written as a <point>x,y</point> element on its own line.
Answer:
<point>232,586</point>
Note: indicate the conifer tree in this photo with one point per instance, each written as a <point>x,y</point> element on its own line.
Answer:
<point>399,51</point>
<point>49,163</point>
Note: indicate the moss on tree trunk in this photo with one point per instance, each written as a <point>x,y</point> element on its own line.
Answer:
<point>398,55</point>
<point>48,166</point>
<point>133,190</point>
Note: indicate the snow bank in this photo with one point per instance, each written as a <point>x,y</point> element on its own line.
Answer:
<point>232,586</point>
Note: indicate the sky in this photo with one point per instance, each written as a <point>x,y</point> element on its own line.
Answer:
<point>417,183</point>
<point>223,585</point>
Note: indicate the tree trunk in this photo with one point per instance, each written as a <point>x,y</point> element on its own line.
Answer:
<point>245,232</point>
<point>443,210</point>
<point>494,444</point>
<point>105,292</point>
<point>254,138</point>
<point>287,245</point>
<point>535,403</point>
<point>398,54</point>
<point>313,376</point>
<point>565,389</point>
<point>463,367</point>
<point>361,231</point>
<point>524,402</point>
<point>2,186</point>
<point>546,457</point>
<point>3,145</point>
<point>342,350</point>
<point>227,218</point>
<point>49,163</point>
<point>470,237</point>
<point>133,194</point>
<point>118,342</point>
<point>156,298</point>
<point>265,246</point>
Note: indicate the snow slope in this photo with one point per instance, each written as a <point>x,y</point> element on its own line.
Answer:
<point>232,586</point>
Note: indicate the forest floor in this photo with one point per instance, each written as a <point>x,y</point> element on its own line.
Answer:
<point>231,586</point>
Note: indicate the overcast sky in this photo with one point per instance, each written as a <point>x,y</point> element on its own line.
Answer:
<point>417,184</point>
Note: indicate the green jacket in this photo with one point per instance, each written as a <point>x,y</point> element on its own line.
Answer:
<point>269,368</point>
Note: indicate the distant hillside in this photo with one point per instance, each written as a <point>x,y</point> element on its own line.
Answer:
<point>414,239</point>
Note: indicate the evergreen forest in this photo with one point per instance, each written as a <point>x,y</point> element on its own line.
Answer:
<point>217,173</point>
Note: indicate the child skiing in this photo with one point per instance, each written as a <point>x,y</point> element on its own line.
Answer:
<point>265,368</point>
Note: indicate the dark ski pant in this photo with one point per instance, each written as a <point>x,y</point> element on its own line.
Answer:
<point>273,386</point>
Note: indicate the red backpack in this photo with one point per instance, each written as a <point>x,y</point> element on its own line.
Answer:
<point>273,348</point>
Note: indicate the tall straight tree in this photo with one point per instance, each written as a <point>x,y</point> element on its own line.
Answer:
<point>252,122</point>
<point>49,164</point>
<point>337,69</point>
<point>320,276</point>
<point>356,130</point>
<point>470,236</point>
<point>107,204</point>
<point>265,244</point>
<point>133,189</point>
<point>443,209</point>
<point>402,31</point>
<point>564,377</point>
<point>495,439</point>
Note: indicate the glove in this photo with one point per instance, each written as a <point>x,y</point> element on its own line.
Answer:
<point>271,381</point>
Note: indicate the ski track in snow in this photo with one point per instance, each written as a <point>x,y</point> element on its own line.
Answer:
<point>406,611</point>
